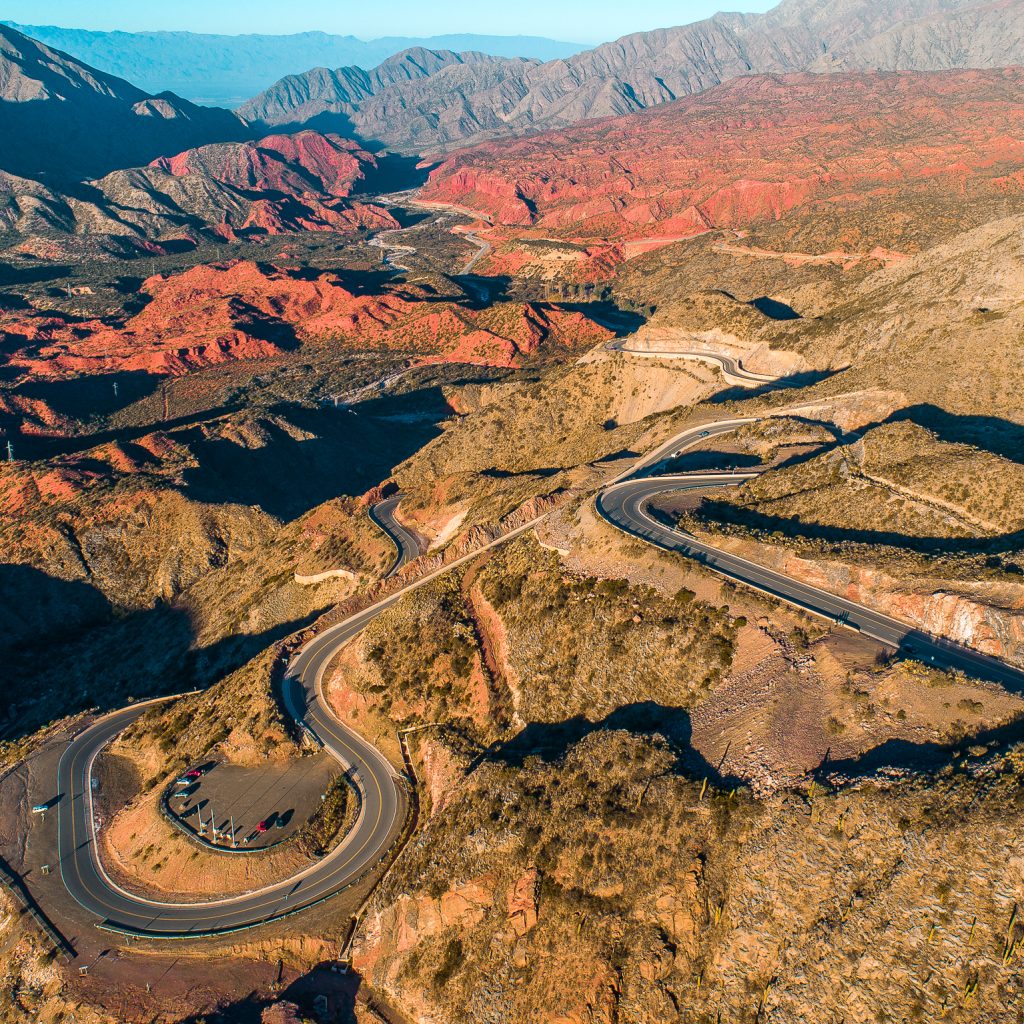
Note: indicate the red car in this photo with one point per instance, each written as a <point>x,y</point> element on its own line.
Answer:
<point>262,827</point>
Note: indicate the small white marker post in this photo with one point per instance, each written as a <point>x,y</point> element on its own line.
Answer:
<point>200,810</point>
<point>233,844</point>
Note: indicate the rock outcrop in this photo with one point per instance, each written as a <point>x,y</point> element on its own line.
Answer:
<point>211,314</point>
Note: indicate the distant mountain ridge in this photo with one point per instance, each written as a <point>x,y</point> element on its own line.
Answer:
<point>63,121</point>
<point>227,70</point>
<point>333,98</point>
<point>462,102</point>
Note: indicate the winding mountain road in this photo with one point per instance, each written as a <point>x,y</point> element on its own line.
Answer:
<point>625,503</point>
<point>381,801</point>
<point>733,371</point>
<point>407,544</point>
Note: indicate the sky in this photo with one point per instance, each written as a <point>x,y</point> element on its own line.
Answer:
<point>580,21</point>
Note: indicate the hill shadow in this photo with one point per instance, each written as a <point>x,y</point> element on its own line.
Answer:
<point>304,457</point>
<point>11,274</point>
<point>113,656</point>
<point>774,309</point>
<point>41,608</point>
<point>326,122</point>
<point>623,322</point>
<point>50,446</point>
<point>358,282</point>
<point>990,433</point>
<point>907,756</point>
<point>320,994</point>
<point>10,302</point>
<point>706,459</point>
<point>481,292</point>
<point>552,741</point>
<point>408,217</point>
<point>82,398</point>
<point>804,379</point>
<point>791,527</point>
<point>393,173</point>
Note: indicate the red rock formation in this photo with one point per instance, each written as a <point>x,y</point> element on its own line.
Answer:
<point>240,310</point>
<point>523,902</point>
<point>751,150</point>
<point>304,162</point>
<point>280,184</point>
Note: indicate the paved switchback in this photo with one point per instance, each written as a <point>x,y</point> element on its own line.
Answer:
<point>626,505</point>
<point>733,371</point>
<point>382,802</point>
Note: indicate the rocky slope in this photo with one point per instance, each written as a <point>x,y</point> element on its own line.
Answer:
<point>465,102</point>
<point>754,150</point>
<point>283,183</point>
<point>325,97</point>
<point>561,743</point>
<point>64,121</point>
<point>602,883</point>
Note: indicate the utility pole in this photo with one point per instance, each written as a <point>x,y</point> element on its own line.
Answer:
<point>233,845</point>
<point>10,452</point>
<point>115,389</point>
<point>199,808</point>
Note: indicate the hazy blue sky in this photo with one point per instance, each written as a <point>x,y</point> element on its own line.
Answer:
<point>573,20</point>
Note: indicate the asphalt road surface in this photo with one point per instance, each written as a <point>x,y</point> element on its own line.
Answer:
<point>382,804</point>
<point>381,798</point>
<point>625,504</point>
<point>407,544</point>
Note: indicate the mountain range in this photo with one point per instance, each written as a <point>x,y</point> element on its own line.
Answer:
<point>452,101</point>
<point>751,151</point>
<point>226,70</point>
<point>64,121</point>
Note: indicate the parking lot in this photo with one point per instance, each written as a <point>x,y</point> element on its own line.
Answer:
<point>265,803</point>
